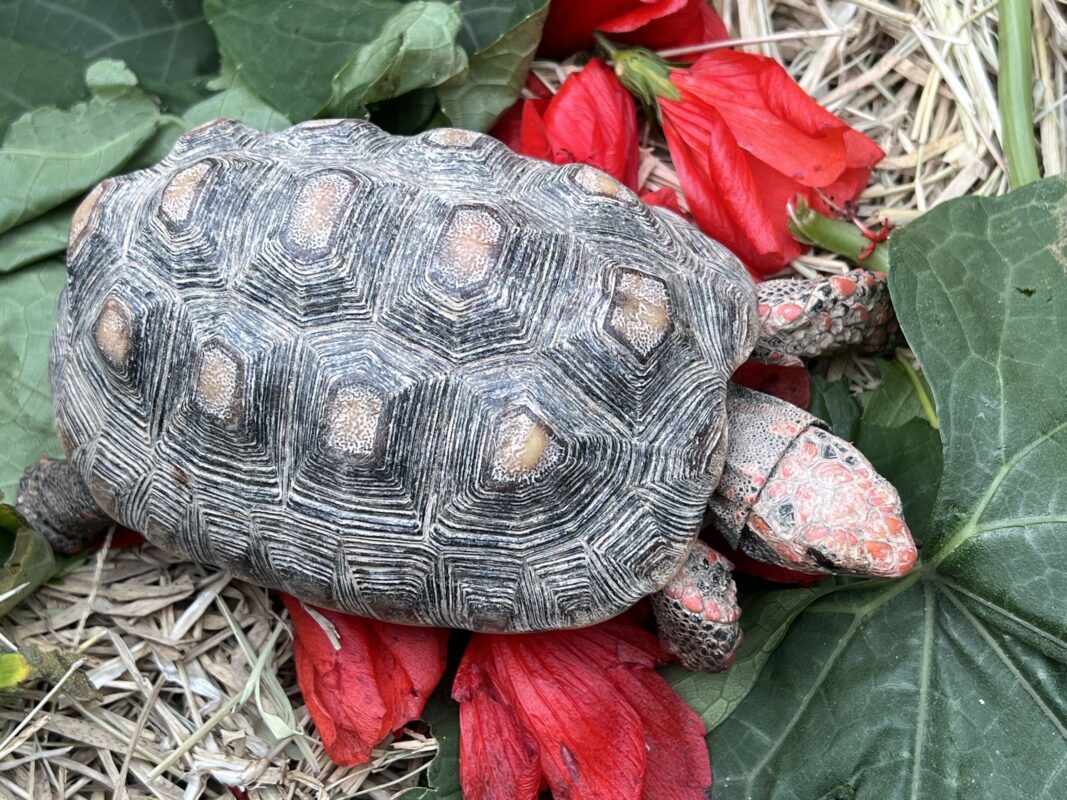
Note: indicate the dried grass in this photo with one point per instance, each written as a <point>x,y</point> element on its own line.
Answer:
<point>192,670</point>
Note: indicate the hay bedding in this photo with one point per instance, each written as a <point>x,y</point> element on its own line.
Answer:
<point>179,681</point>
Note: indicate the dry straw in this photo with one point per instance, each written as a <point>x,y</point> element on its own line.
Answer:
<point>179,681</point>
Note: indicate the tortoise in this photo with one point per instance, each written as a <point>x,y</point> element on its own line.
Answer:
<point>427,380</point>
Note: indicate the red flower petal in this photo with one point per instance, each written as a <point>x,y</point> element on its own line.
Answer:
<point>376,682</point>
<point>696,22</point>
<point>492,735</point>
<point>791,384</point>
<point>650,23</point>
<point>746,140</point>
<point>563,686</point>
<point>592,120</point>
<point>677,765</point>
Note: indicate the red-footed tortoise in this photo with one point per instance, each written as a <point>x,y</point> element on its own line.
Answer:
<point>427,380</point>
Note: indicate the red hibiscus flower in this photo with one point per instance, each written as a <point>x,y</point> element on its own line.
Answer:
<point>362,679</point>
<point>591,120</point>
<point>651,23</point>
<point>583,709</point>
<point>746,140</point>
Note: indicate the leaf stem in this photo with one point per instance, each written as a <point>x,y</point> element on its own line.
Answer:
<point>843,238</point>
<point>1015,91</point>
<point>920,391</point>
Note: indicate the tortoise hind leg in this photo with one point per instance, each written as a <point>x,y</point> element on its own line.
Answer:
<point>53,500</point>
<point>808,318</point>
<point>697,612</point>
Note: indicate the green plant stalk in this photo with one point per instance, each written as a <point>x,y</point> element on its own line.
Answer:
<point>843,238</point>
<point>1015,91</point>
<point>925,402</point>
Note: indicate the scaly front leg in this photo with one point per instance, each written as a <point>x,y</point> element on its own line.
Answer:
<point>807,318</point>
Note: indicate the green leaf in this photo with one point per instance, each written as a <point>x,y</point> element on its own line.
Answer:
<point>30,564</point>
<point>415,49</point>
<point>290,53</point>
<point>50,156</point>
<point>909,456</point>
<point>442,715</point>
<point>952,682</point>
<point>895,401</point>
<point>14,669</point>
<point>39,238</point>
<point>833,403</point>
<point>168,44</point>
<point>28,300</point>
<point>501,38</point>
<point>35,77</point>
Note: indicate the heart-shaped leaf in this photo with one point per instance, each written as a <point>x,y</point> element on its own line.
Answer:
<point>949,683</point>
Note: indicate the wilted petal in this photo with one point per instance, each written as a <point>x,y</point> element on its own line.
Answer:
<point>677,762</point>
<point>592,120</point>
<point>376,681</point>
<point>605,724</point>
<point>498,759</point>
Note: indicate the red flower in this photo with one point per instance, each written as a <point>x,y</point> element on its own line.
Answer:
<point>369,680</point>
<point>650,23</point>
<point>582,708</point>
<point>591,120</point>
<point>791,384</point>
<point>746,140</point>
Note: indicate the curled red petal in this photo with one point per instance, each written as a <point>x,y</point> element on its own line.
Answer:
<point>558,688</point>
<point>498,759</point>
<point>746,140</point>
<point>375,682</point>
<point>592,120</point>
<point>723,194</point>
<point>678,766</point>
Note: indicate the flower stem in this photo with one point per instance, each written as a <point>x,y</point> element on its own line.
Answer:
<point>920,391</point>
<point>843,238</point>
<point>1015,91</point>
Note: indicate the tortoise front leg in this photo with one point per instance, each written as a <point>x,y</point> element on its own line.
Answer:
<point>697,612</point>
<point>53,500</point>
<point>807,318</point>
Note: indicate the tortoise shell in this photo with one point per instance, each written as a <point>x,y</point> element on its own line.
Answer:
<point>420,379</point>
